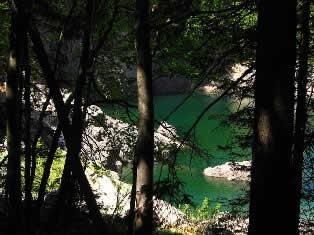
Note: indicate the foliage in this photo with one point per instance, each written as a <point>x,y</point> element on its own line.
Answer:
<point>120,113</point>
<point>201,212</point>
<point>172,231</point>
<point>4,31</point>
<point>41,156</point>
<point>192,47</point>
<point>55,172</point>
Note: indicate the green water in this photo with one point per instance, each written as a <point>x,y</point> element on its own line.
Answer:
<point>209,135</point>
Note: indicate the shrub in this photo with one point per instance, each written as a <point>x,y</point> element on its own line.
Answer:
<point>202,212</point>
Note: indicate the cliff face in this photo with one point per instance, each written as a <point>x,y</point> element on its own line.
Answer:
<point>171,86</point>
<point>161,85</point>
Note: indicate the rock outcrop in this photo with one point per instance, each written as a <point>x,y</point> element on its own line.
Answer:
<point>115,140</point>
<point>224,223</point>
<point>114,196</point>
<point>230,171</point>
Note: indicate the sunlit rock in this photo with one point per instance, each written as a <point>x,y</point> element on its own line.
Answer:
<point>230,171</point>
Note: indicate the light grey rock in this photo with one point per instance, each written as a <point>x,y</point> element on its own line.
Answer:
<point>230,171</point>
<point>114,196</point>
<point>167,130</point>
<point>224,224</point>
<point>115,140</point>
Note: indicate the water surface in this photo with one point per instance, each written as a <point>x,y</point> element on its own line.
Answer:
<point>209,134</point>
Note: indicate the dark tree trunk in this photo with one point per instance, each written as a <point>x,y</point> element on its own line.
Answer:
<point>271,204</point>
<point>18,69</point>
<point>13,107</point>
<point>132,197</point>
<point>68,180</point>
<point>27,115</point>
<point>36,138</point>
<point>301,111</point>
<point>145,141</point>
<point>27,139</point>
<point>50,157</point>
<point>47,168</point>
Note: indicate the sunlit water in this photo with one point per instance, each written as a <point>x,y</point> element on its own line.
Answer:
<point>208,134</point>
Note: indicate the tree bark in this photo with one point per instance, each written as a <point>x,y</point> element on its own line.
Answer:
<point>50,157</point>
<point>67,180</point>
<point>13,107</point>
<point>18,69</point>
<point>301,111</point>
<point>48,164</point>
<point>132,197</point>
<point>271,205</point>
<point>36,138</point>
<point>27,115</point>
<point>27,138</point>
<point>145,142</point>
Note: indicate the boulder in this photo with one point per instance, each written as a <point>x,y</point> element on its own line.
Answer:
<point>224,224</point>
<point>167,130</point>
<point>230,171</point>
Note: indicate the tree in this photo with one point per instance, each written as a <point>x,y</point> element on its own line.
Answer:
<point>72,131</point>
<point>301,110</point>
<point>145,142</point>
<point>271,188</point>
<point>18,72</point>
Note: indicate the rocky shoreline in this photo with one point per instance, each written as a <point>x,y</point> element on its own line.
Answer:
<point>114,197</point>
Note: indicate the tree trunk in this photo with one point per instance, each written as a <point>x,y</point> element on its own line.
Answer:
<point>18,69</point>
<point>301,111</point>
<point>36,138</point>
<point>132,197</point>
<point>13,107</point>
<point>66,127</point>
<point>77,126</point>
<point>47,168</point>
<point>271,210</point>
<point>51,155</point>
<point>145,142</point>
<point>27,138</point>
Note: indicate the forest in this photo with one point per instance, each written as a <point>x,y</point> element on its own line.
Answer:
<point>160,117</point>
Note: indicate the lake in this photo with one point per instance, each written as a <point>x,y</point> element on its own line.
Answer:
<point>209,135</point>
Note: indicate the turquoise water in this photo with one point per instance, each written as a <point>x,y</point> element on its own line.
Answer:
<point>209,135</point>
